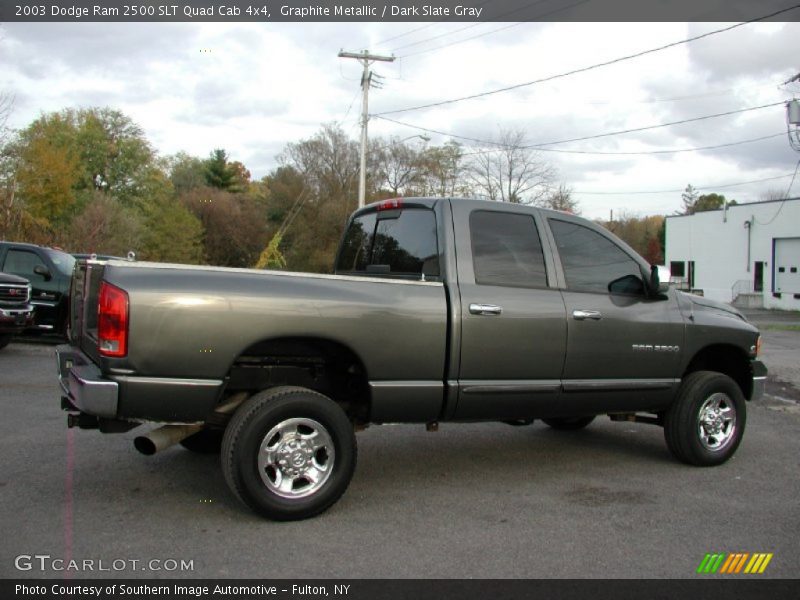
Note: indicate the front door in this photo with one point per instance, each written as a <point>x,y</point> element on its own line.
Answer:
<point>623,346</point>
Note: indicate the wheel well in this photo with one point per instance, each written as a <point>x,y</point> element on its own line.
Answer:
<point>325,366</point>
<point>726,359</point>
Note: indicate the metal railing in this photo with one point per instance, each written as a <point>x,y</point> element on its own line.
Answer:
<point>743,286</point>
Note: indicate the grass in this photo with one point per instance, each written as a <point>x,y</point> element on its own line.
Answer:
<point>779,327</point>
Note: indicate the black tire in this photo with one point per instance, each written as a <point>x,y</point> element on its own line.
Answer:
<point>569,423</point>
<point>205,441</point>
<point>705,424</point>
<point>5,340</point>
<point>279,432</point>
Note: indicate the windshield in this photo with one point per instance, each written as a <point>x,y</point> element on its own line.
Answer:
<point>61,260</point>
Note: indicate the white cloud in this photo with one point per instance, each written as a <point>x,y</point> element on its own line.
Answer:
<point>252,88</point>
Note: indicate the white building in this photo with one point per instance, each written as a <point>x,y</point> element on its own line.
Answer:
<point>747,253</point>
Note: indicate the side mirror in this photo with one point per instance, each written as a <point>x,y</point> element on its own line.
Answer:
<point>629,284</point>
<point>659,279</point>
<point>43,271</point>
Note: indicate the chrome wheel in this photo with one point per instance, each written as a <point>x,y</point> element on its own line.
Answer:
<point>716,422</point>
<point>296,458</point>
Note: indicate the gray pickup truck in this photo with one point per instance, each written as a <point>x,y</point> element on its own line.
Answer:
<point>439,310</point>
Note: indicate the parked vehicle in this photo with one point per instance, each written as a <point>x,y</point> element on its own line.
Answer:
<point>49,272</point>
<point>439,310</point>
<point>16,312</point>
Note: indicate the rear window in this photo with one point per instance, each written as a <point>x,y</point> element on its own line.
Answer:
<point>396,243</point>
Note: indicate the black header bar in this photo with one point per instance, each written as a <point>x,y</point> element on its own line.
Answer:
<point>396,10</point>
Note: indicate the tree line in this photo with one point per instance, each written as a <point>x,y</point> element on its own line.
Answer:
<point>88,180</point>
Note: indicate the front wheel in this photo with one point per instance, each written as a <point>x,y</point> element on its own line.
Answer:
<point>705,424</point>
<point>289,453</point>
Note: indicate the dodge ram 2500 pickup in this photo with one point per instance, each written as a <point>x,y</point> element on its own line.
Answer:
<point>438,310</point>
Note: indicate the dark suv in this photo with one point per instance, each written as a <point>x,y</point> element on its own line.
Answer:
<point>49,272</point>
<point>16,312</point>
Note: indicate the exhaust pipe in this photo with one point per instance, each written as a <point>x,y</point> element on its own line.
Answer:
<point>164,437</point>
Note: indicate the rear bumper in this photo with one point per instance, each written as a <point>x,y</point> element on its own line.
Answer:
<point>759,380</point>
<point>128,397</point>
<point>83,384</point>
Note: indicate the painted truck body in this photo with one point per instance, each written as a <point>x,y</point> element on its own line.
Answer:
<point>439,310</point>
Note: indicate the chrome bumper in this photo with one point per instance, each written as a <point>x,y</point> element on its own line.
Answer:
<point>17,317</point>
<point>759,380</point>
<point>84,385</point>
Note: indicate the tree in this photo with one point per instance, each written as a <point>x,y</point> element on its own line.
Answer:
<point>186,172</point>
<point>641,233</point>
<point>234,229</point>
<point>560,199</point>
<point>442,171</point>
<point>653,254</point>
<point>105,226</point>
<point>221,173</point>
<point>47,169</point>
<point>173,234</point>
<point>692,203</point>
<point>328,164</point>
<point>513,172</point>
<point>399,167</point>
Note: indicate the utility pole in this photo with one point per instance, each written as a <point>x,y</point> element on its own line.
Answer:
<point>365,58</point>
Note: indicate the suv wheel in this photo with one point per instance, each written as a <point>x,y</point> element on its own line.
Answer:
<point>704,426</point>
<point>289,453</point>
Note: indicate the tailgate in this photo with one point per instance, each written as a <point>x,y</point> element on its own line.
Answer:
<point>86,279</point>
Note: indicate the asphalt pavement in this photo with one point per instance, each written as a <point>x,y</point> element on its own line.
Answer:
<point>469,501</point>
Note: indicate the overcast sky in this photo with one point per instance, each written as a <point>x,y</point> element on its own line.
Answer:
<point>251,88</point>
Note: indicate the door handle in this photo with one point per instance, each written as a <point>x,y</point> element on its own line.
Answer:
<point>580,315</point>
<point>485,309</point>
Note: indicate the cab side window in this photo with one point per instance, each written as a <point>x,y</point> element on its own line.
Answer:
<point>593,263</point>
<point>506,250</point>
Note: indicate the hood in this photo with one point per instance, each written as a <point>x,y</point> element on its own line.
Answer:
<point>702,303</point>
<point>12,279</point>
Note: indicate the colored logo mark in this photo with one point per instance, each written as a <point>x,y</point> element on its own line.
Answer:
<point>734,563</point>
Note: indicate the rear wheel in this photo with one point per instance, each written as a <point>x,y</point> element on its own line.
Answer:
<point>705,424</point>
<point>569,423</point>
<point>289,453</point>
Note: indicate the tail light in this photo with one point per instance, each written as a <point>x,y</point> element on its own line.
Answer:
<point>112,321</point>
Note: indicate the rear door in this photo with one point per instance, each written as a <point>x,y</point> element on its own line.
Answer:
<point>513,331</point>
<point>623,346</point>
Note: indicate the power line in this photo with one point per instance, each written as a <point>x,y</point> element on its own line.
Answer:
<point>786,197</point>
<point>474,37</point>
<point>427,26</point>
<point>584,138</point>
<point>485,33</point>
<point>441,35</point>
<point>647,152</point>
<point>473,25</point>
<point>344,118</point>
<point>699,187</point>
<point>591,67</point>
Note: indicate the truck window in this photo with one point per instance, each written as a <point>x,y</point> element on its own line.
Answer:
<point>22,263</point>
<point>592,262</point>
<point>395,244</point>
<point>506,250</point>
